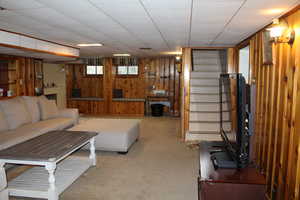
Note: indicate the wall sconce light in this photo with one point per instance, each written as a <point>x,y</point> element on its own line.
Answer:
<point>281,33</point>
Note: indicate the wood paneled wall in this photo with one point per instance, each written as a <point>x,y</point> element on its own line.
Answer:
<point>23,75</point>
<point>162,74</point>
<point>232,65</point>
<point>158,73</point>
<point>277,118</point>
<point>91,86</point>
<point>132,86</point>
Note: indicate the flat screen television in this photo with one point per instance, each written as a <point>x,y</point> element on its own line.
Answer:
<point>234,122</point>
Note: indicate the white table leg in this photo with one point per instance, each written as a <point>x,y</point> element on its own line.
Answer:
<point>3,181</point>
<point>92,152</point>
<point>52,189</point>
<point>4,195</point>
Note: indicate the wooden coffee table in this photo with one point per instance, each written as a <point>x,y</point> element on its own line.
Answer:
<point>50,151</point>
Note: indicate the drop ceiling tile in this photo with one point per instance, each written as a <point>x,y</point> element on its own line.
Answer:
<point>251,18</point>
<point>20,4</point>
<point>170,17</point>
<point>124,26</point>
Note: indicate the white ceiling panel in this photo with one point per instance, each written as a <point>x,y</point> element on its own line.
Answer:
<point>20,4</point>
<point>173,19</point>
<point>124,26</point>
<point>253,16</point>
<point>94,20</point>
<point>214,15</point>
<point>133,18</point>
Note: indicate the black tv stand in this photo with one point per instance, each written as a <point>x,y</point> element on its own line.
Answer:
<point>234,184</point>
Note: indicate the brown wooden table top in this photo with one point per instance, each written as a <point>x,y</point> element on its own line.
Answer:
<point>248,175</point>
<point>51,146</point>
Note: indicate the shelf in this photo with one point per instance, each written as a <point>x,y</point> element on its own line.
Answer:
<point>86,99</point>
<point>34,182</point>
<point>129,99</point>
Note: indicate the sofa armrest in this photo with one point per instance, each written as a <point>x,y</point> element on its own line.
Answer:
<point>70,113</point>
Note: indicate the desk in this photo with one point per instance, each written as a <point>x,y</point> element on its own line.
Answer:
<point>233,184</point>
<point>164,100</point>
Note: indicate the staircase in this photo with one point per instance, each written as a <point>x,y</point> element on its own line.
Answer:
<point>204,96</point>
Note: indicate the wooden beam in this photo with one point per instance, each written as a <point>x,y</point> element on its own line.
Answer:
<point>185,89</point>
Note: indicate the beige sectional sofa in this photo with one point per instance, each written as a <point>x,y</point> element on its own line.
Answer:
<point>23,118</point>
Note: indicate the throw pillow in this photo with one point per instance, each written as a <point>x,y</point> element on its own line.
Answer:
<point>3,122</point>
<point>48,109</point>
<point>15,112</point>
<point>33,107</point>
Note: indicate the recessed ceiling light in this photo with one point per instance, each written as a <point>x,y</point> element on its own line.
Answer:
<point>121,54</point>
<point>90,45</point>
<point>171,53</point>
<point>145,48</point>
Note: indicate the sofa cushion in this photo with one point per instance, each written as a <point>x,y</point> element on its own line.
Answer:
<point>15,112</point>
<point>3,122</point>
<point>48,109</point>
<point>13,137</point>
<point>52,124</point>
<point>33,107</point>
<point>29,131</point>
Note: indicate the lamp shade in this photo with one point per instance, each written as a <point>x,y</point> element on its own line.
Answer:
<point>276,31</point>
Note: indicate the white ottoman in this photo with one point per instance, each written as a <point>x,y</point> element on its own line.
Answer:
<point>114,134</point>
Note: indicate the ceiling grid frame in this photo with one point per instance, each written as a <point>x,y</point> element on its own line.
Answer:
<point>120,24</point>
<point>128,25</point>
<point>130,51</point>
<point>154,23</point>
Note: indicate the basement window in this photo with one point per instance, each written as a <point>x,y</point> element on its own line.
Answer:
<point>93,70</point>
<point>244,63</point>
<point>128,70</point>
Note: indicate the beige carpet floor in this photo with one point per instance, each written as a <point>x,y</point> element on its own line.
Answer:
<point>158,167</point>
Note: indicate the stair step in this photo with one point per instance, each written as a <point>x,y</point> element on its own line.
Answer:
<point>206,78</point>
<point>207,106</point>
<point>205,54</point>
<point>212,116</point>
<point>204,132</point>
<point>208,102</point>
<point>208,90</point>
<point>210,82</point>
<point>204,70</point>
<point>198,97</point>
<point>213,122</point>
<point>209,126</point>
<point>205,74</point>
<point>206,61</point>
<point>203,93</point>
<point>225,111</point>
<point>207,67</point>
<point>210,86</point>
